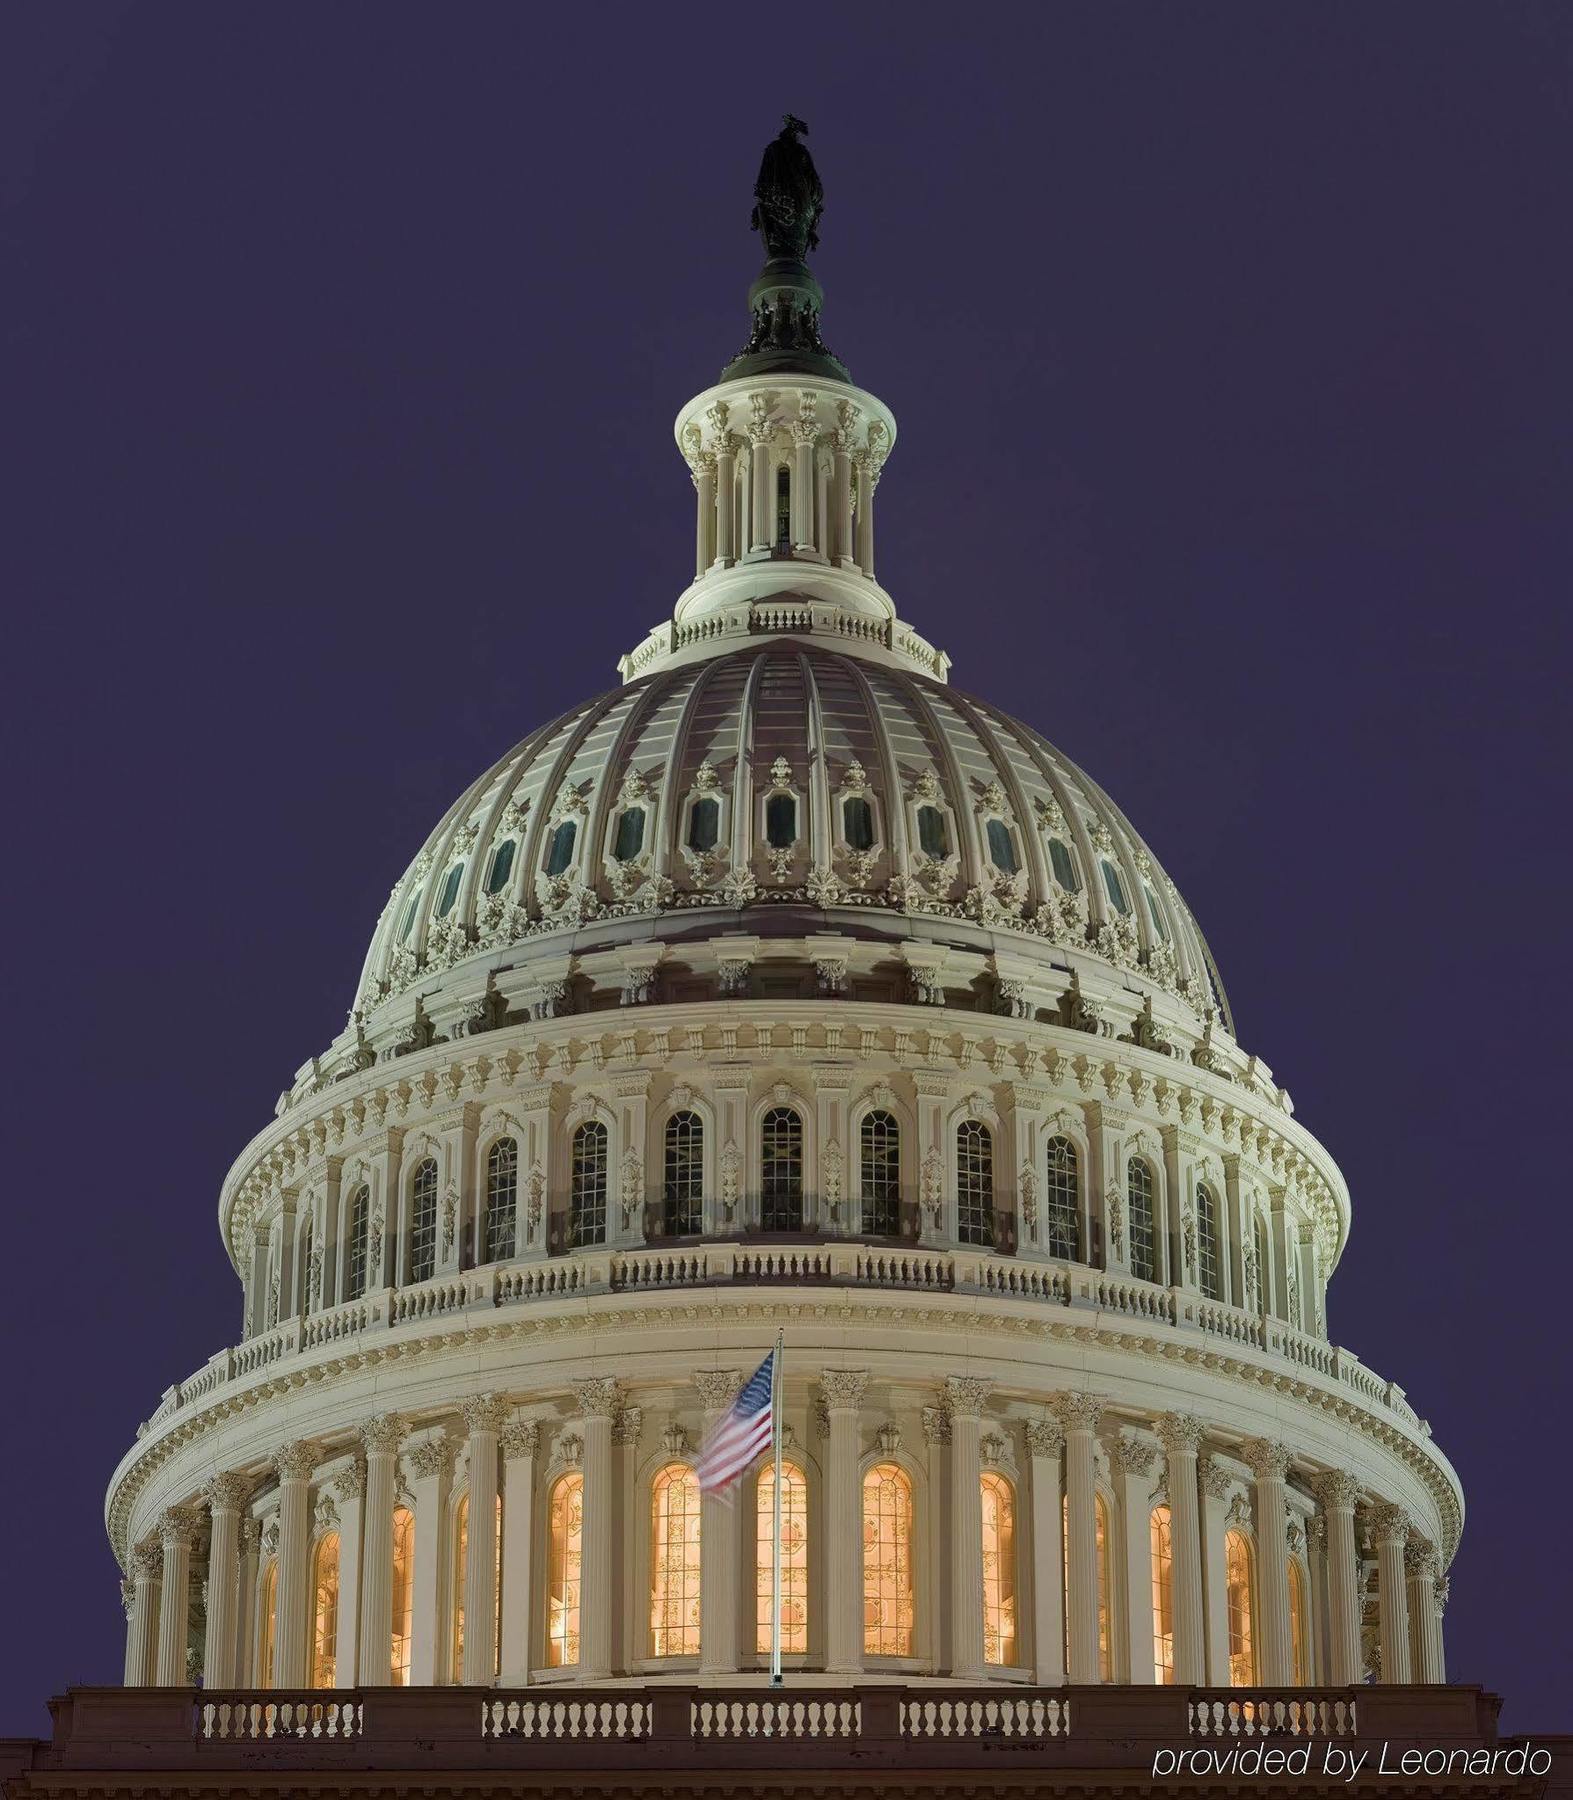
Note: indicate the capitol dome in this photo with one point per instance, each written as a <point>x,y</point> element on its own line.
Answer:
<point>784,989</point>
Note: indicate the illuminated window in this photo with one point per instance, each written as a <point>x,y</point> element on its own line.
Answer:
<point>560,855</point>
<point>781,1170</point>
<point>974,1182</point>
<point>267,1624</point>
<point>325,1611</point>
<point>358,1265</point>
<point>403,1594</point>
<point>1299,1649</point>
<point>1240,1606</point>
<point>794,1559</point>
<point>501,866</point>
<point>1207,1242</point>
<point>999,1569</point>
<point>1063,1208</point>
<point>674,1562</point>
<point>1100,1545</point>
<point>1162,1594</point>
<point>887,1561</point>
<point>423,1220</point>
<point>880,1142</point>
<point>683,1189</point>
<point>587,1186</point>
<point>502,1199</point>
<point>565,1535</point>
<point>1138,1190</point>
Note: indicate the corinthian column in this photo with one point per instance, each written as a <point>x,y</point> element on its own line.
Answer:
<point>1391,1526</point>
<point>1439,1592</point>
<point>293,1464</point>
<point>1425,1630</point>
<point>965,1395</point>
<point>725,445</point>
<point>179,1530</point>
<point>760,429</point>
<point>225,1495</point>
<point>704,530</point>
<point>843,1395</point>
<point>431,1470</point>
<point>805,431</point>
<point>1338,1490</point>
<point>380,1437</point>
<point>147,1563</point>
<point>598,1400</point>
<point>1079,1414</point>
<point>1045,1439</point>
<point>1269,1463</point>
<point>718,1542</point>
<point>1181,1436</point>
<point>484,1416</point>
<point>517,1443</point>
<point>1134,1460</point>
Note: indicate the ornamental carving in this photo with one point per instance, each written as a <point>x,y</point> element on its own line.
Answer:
<point>731,1180</point>
<point>888,1437</point>
<point>936,1425</point>
<point>1079,1412</point>
<point>932,1184</point>
<point>831,1176</point>
<point>627,1425</point>
<point>535,1199</point>
<point>325,1514</point>
<point>1045,1437</point>
<point>570,1450</point>
<point>843,1388</point>
<point>1265,1458</point>
<point>599,1397</point>
<point>295,1462</point>
<point>450,1218</point>
<point>180,1525</point>
<point>518,1440</point>
<point>432,1456</point>
<point>1114,1203</point>
<point>1134,1456</point>
<point>966,1394</point>
<point>674,1441</point>
<point>226,1493</point>
<point>1188,1238</point>
<point>1180,1433</point>
<point>484,1412</point>
<point>632,1187</point>
<point>717,1387</point>
<point>1239,1513</point>
<point>1390,1524</point>
<point>1337,1489</point>
<point>1027,1188</point>
<point>992,1450</point>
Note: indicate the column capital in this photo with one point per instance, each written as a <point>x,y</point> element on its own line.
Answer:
<point>432,1456</point>
<point>484,1412</point>
<point>295,1461</point>
<point>1420,1560</point>
<point>1179,1432</point>
<point>382,1434</point>
<point>717,1388</point>
<point>1216,1479</point>
<point>128,1596</point>
<point>1267,1459</point>
<point>147,1560</point>
<point>1078,1412</point>
<point>226,1493</point>
<point>350,1482</point>
<point>1337,1490</point>
<point>180,1525</point>
<point>936,1425</point>
<point>966,1395</point>
<point>598,1397</point>
<point>843,1388</point>
<point>519,1439</point>
<point>250,1536</point>
<point>1045,1437</point>
<point>1133,1456</point>
<point>1390,1523</point>
<point>1440,1589</point>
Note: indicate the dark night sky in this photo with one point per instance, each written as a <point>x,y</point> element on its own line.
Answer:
<point>1230,347</point>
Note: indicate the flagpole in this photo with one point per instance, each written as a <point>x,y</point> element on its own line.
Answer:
<point>775,1523</point>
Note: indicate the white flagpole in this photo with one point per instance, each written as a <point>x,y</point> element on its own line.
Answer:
<point>775,1524</point>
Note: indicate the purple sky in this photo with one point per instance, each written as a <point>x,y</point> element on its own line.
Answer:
<point>1230,347</point>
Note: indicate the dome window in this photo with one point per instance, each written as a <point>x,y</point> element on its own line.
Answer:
<point>1063,865</point>
<point>1002,851</point>
<point>857,823</point>
<point>630,834</point>
<point>704,824</point>
<point>1114,887</point>
<point>559,857</point>
<point>781,821</point>
<point>1153,913</point>
<point>450,890</point>
<point>502,866</point>
<point>933,838</point>
<point>407,923</point>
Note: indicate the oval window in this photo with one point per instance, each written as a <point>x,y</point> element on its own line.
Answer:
<point>450,890</point>
<point>781,821</point>
<point>857,822</point>
<point>1114,888</point>
<point>704,825</point>
<point>1156,916</point>
<point>1002,852</point>
<point>933,839</point>
<point>560,855</point>
<point>502,867</point>
<point>630,834</point>
<point>1064,869</point>
<point>409,916</point>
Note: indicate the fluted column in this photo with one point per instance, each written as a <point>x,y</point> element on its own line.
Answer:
<point>179,1530</point>
<point>704,528</point>
<point>1425,1632</point>
<point>843,1395</point>
<point>245,1642</point>
<point>380,1438</point>
<point>484,1417</point>
<point>1181,1436</point>
<point>293,1464</point>
<point>1216,1483</point>
<point>761,428</point>
<point>719,1543</point>
<point>1440,1589</point>
<point>868,480</point>
<point>350,1487</point>
<point>1079,1414</point>
<point>431,1471</point>
<point>1134,1460</point>
<point>517,1444</point>
<point>147,1564</point>
<point>841,498</point>
<point>1391,1527</point>
<point>1269,1463</point>
<point>225,1495</point>
<point>824,462</point>
<point>598,1400</point>
<point>805,432</point>
<point>725,446</point>
<point>1338,1490</point>
<point>1045,1440</point>
<point>965,1395</point>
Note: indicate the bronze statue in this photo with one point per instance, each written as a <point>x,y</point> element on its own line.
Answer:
<point>788,197</point>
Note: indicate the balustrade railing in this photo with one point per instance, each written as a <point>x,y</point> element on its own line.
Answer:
<point>253,1718</point>
<point>1228,1712</point>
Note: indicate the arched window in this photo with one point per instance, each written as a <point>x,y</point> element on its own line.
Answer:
<point>1114,887</point>
<point>999,1569</point>
<point>461,1549</point>
<point>781,821</point>
<point>565,1556</point>
<point>325,1610</point>
<point>587,1186</point>
<point>1062,1209</point>
<point>880,1169</point>
<point>358,1263</point>
<point>1299,1647</point>
<point>1162,1594</point>
<point>887,1561</point>
<point>501,866</point>
<point>857,822</point>
<point>781,1170</point>
<point>674,1562</point>
<point>933,837</point>
<point>794,1559</point>
<point>403,1594</point>
<point>974,1182</point>
<point>1002,847</point>
<point>449,891</point>
<point>630,834</point>
<point>683,1187</point>
<point>423,1220</point>
<point>1063,865</point>
<point>267,1622</point>
<point>559,855</point>
<point>704,824</point>
<point>1240,1607</point>
<point>1138,1193</point>
<point>1207,1242</point>
<point>502,1199</point>
<point>1100,1546</point>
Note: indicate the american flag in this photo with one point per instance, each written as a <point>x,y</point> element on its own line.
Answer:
<point>739,1437</point>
